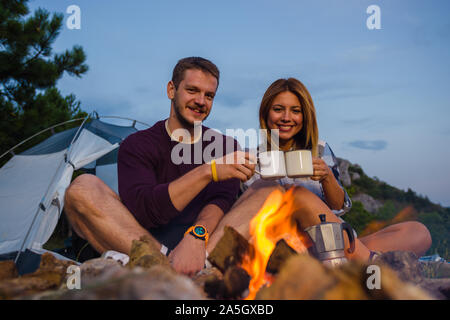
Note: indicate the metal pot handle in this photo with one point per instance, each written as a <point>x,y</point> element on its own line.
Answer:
<point>351,237</point>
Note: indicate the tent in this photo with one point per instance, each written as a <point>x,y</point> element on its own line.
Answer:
<point>33,183</point>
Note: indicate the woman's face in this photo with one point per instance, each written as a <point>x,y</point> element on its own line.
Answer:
<point>286,115</point>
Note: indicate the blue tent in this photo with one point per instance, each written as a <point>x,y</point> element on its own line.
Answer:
<point>33,183</point>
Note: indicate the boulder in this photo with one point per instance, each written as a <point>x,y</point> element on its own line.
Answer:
<point>343,171</point>
<point>155,283</point>
<point>304,277</point>
<point>8,270</point>
<point>370,204</point>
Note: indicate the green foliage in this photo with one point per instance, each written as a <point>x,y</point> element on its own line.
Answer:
<point>438,225</point>
<point>358,217</point>
<point>433,216</point>
<point>29,71</point>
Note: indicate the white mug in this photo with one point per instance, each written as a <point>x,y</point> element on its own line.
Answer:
<point>299,164</point>
<point>272,165</point>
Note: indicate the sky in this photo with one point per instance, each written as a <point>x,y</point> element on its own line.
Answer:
<point>382,95</point>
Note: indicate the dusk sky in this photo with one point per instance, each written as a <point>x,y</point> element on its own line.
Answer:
<point>382,96</point>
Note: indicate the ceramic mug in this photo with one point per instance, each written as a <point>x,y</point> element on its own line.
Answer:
<point>272,165</point>
<point>299,164</point>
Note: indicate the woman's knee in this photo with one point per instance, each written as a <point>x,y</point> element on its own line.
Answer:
<point>421,234</point>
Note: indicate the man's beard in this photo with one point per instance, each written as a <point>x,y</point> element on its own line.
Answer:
<point>184,122</point>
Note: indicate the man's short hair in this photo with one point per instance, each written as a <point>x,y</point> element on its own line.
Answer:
<point>193,63</point>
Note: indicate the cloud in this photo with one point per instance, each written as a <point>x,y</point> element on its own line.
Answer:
<point>376,145</point>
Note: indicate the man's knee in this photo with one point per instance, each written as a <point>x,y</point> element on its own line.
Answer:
<point>83,191</point>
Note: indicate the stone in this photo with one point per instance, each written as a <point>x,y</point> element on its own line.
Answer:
<point>155,283</point>
<point>50,275</point>
<point>98,270</point>
<point>8,270</point>
<point>145,254</point>
<point>355,176</point>
<point>409,269</point>
<point>302,277</point>
<point>343,171</point>
<point>369,203</point>
<point>404,263</point>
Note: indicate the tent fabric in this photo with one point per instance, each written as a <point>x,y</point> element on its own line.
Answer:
<point>33,184</point>
<point>23,181</point>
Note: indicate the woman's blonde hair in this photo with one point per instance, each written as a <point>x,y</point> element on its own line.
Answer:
<point>308,136</point>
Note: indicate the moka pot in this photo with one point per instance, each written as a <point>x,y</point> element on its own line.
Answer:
<point>328,241</point>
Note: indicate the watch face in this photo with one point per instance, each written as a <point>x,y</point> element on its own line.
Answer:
<point>199,230</point>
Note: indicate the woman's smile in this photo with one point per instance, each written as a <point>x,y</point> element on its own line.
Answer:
<point>286,115</point>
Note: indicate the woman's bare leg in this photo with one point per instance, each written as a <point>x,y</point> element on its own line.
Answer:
<point>97,215</point>
<point>406,236</point>
<point>244,210</point>
<point>309,206</point>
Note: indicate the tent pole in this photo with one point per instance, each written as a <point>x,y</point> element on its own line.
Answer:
<point>26,236</point>
<point>41,205</point>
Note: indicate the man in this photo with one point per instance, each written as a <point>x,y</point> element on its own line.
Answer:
<point>176,205</point>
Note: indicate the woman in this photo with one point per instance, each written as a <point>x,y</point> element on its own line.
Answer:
<point>288,108</point>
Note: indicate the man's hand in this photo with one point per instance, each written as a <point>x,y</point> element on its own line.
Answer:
<point>321,170</point>
<point>189,255</point>
<point>238,164</point>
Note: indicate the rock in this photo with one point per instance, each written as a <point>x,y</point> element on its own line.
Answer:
<point>145,254</point>
<point>370,204</point>
<point>408,268</point>
<point>156,283</point>
<point>343,170</point>
<point>303,277</point>
<point>8,270</point>
<point>50,275</point>
<point>98,270</point>
<point>435,269</point>
<point>355,176</point>
<point>405,264</point>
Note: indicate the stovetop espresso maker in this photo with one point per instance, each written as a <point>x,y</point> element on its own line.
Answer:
<point>328,241</point>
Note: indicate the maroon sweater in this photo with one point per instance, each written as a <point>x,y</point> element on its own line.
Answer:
<point>145,170</point>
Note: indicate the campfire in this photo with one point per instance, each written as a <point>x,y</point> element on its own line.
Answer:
<point>274,238</point>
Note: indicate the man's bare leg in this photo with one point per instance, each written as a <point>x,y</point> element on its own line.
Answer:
<point>97,215</point>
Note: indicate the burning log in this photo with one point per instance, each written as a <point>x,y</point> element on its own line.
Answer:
<point>279,255</point>
<point>230,250</point>
<point>234,284</point>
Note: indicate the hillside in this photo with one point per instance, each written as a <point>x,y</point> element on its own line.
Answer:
<point>376,205</point>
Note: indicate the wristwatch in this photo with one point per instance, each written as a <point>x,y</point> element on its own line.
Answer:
<point>198,231</point>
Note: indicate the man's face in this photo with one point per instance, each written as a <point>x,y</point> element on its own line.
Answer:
<point>193,99</point>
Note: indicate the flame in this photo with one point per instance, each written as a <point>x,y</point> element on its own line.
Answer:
<point>273,222</point>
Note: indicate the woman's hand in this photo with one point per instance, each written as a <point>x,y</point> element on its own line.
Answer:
<point>321,170</point>
<point>238,164</point>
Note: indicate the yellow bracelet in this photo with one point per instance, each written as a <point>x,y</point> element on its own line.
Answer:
<point>214,171</point>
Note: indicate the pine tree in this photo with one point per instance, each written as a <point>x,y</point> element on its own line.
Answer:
<point>29,71</point>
